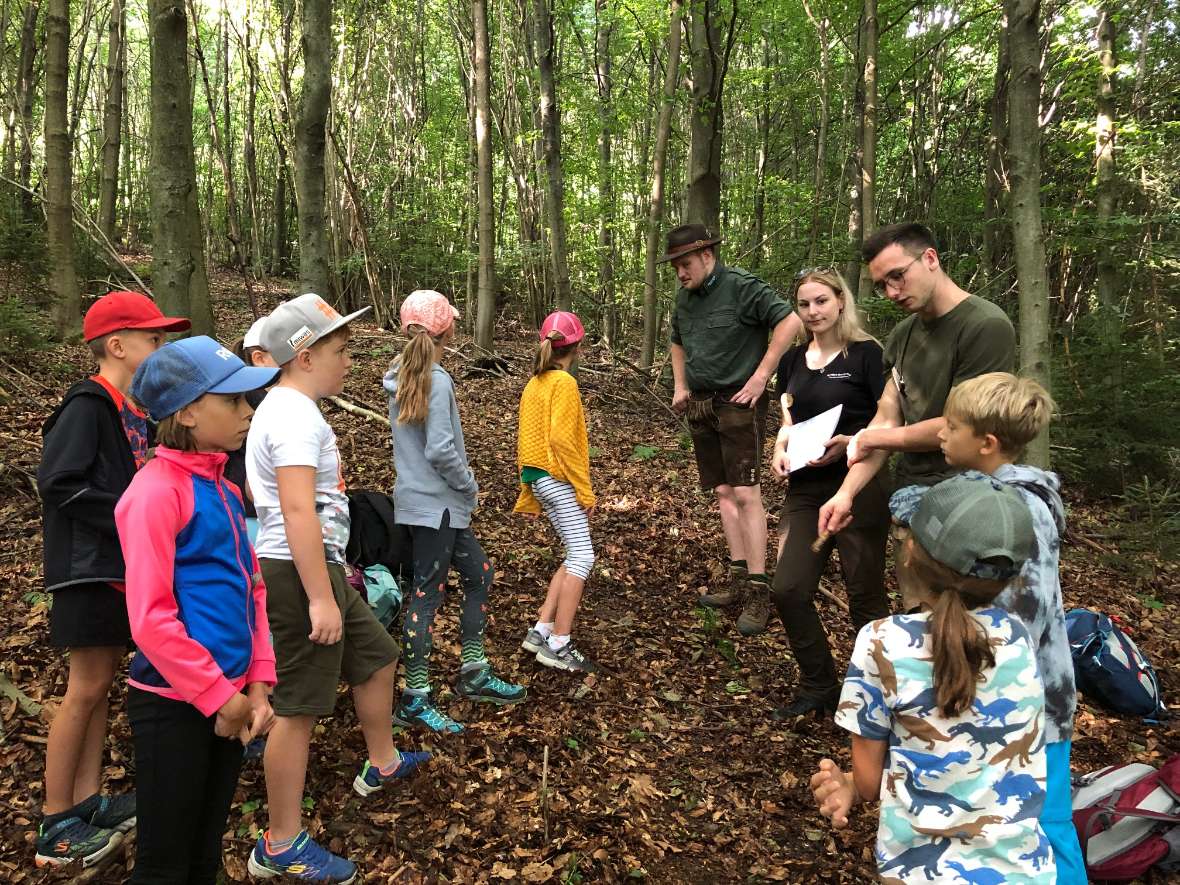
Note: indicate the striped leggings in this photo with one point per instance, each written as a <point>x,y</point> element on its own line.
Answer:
<point>569,519</point>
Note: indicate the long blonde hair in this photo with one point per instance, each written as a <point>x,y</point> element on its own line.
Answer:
<point>547,355</point>
<point>414,366</point>
<point>848,325</point>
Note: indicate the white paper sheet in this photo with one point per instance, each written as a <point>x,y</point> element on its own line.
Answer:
<point>806,442</point>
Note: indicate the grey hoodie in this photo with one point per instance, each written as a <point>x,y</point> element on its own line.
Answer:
<point>1036,599</point>
<point>432,471</point>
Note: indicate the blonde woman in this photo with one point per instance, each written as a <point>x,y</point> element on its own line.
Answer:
<point>839,363</point>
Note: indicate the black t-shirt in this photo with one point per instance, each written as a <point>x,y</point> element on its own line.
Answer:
<point>854,380</point>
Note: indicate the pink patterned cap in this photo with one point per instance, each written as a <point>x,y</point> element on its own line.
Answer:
<point>428,309</point>
<point>567,326</point>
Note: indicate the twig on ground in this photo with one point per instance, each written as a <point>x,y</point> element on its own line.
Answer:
<point>545,790</point>
<point>833,597</point>
<point>643,383</point>
<point>344,404</point>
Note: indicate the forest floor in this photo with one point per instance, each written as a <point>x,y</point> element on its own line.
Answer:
<point>665,766</point>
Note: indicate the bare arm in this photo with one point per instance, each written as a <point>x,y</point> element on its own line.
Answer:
<point>305,537</point>
<point>837,792</point>
<point>784,333</point>
<point>680,392</point>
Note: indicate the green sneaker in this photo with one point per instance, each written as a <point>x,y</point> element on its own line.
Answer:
<point>482,685</point>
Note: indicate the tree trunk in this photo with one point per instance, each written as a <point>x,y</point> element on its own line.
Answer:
<point>606,212</point>
<point>868,164</point>
<point>854,162</point>
<point>656,211</point>
<point>59,190</point>
<point>995,182</point>
<point>757,230</point>
<point>315,270</point>
<point>821,146</point>
<point>179,276</point>
<point>1104,149</point>
<point>709,63</point>
<point>551,148</point>
<point>112,121</point>
<point>1024,160</point>
<point>485,325</point>
<point>250,155</point>
<point>25,91</point>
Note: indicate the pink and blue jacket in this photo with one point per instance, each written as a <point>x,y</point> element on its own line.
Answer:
<point>195,598</point>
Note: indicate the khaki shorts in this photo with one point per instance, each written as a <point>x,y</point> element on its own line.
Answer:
<point>309,673</point>
<point>727,440</point>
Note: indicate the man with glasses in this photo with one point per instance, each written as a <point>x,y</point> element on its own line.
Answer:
<point>950,336</point>
<point>721,363</point>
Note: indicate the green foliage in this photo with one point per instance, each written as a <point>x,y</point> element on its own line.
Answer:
<point>22,328</point>
<point>22,240</point>
<point>644,453</point>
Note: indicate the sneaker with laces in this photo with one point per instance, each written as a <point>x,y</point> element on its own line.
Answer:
<point>533,641</point>
<point>484,686</point>
<point>371,779</point>
<point>568,658</point>
<point>305,859</point>
<point>72,839</point>
<point>116,812</point>
<point>418,709</point>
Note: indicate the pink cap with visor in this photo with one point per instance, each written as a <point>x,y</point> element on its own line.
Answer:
<point>567,326</point>
<point>428,309</point>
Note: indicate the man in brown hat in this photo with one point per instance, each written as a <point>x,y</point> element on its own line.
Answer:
<point>721,363</point>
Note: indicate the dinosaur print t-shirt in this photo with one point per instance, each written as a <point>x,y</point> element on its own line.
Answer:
<point>960,796</point>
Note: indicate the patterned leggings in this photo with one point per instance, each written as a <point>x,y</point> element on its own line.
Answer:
<point>569,520</point>
<point>435,551</point>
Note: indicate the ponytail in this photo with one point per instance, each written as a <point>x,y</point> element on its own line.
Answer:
<point>960,646</point>
<point>413,376</point>
<point>547,355</point>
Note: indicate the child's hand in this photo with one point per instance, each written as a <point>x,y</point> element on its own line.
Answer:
<point>232,717</point>
<point>326,626</point>
<point>262,717</point>
<point>834,793</point>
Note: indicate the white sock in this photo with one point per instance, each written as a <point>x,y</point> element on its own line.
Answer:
<point>557,643</point>
<point>545,628</point>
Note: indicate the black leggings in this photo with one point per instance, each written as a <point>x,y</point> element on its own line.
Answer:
<point>185,777</point>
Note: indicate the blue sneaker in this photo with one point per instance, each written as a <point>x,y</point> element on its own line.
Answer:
<point>71,839</point>
<point>305,859</point>
<point>114,812</point>
<point>370,780</point>
<point>418,709</point>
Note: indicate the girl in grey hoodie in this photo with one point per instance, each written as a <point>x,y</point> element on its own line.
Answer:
<point>434,495</point>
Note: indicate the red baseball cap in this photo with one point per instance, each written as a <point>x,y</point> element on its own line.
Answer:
<point>127,310</point>
<point>567,326</point>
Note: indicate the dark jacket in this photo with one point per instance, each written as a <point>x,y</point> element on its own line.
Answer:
<point>86,464</point>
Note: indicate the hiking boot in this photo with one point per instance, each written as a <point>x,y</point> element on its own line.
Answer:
<point>820,706</point>
<point>566,658</point>
<point>115,812</point>
<point>533,642</point>
<point>418,709</point>
<point>305,859</point>
<point>756,614</point>
<point>72,839</point>
<point>371,779</point>
<point>482,685</point>
<point>731,595</point>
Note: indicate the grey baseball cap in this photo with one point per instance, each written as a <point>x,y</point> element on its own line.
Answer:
<point>297,324</point>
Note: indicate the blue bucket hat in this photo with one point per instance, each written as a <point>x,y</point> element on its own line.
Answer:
<point>183,371</point>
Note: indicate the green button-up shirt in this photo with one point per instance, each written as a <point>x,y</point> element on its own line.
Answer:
<point>724,326</point>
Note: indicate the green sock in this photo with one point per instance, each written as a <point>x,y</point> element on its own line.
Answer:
<point>737,565</point>
<point>758,577</point>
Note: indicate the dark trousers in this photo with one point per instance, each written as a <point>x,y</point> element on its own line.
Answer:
<point>185,777</point>
<point>796,577</point>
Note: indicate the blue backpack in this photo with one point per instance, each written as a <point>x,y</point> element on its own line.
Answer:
<point>1109,668</point>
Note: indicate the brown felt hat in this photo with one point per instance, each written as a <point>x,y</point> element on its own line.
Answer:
<point>688,238</point>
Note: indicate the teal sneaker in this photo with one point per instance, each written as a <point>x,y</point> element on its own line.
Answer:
<point>418,710</point>
<point>72,839</point>
<point>305,859</point>
<point>480,684</point>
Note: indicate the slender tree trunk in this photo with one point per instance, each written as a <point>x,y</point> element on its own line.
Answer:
<point>485,325</point>
<point>995,182</point>
<point>655,215</point>
<point>59,190</point>
<point>758,228</point>
<point>25,92</point>
<point>1024,155</point>
<point>709,62</point>
<point>868,165</point>
<point>606,214</point>
<point>112,121</point>
<point>179,277</point>
<point>1104,149</point>
<point>551,148</point>
<point>250,155</point>
<point>278,238</point>
<point>315,269</point>
<point>825,114</point>
<point>854,163</point>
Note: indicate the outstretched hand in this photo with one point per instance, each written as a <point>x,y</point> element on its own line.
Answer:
<point>834,793</point>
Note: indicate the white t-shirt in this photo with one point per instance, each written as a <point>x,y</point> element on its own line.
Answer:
<point>288,430</point>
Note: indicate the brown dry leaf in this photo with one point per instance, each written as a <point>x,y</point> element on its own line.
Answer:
<point>501,870</point>
<point>643,789</point>
<point>536,872</point>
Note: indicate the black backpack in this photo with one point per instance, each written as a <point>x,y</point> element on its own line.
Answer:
<point>375,538</point>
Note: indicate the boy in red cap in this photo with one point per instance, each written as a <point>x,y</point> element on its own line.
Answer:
<point>93,444</point>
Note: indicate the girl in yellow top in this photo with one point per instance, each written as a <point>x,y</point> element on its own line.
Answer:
<point>553,458</point>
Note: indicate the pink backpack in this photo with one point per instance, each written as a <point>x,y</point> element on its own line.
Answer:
<point>1128,819</point>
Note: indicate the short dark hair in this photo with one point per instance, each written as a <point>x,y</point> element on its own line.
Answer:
<point>915,238</point>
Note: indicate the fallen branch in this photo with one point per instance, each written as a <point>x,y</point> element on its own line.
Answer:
<point>833,597</point>
<point>643,383</point>
<point>11,691</point>
<point>344,404</point>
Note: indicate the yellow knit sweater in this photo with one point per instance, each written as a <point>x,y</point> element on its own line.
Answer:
<point>552,436</point>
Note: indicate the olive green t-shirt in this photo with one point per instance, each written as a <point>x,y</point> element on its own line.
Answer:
<point>927,358</point>
<point>724,327</point>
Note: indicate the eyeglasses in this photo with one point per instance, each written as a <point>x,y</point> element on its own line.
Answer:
<point>894,278</point>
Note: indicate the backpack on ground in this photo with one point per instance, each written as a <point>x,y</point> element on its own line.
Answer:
<point>1110,669</point>
<point>375,538</point>
<point>1128,819</point>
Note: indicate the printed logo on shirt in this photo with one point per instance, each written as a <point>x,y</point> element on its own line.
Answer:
<point>837,376</point>
<point>300,338</point>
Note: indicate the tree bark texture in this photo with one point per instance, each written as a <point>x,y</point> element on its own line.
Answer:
<point>112,121</point>
<point>59,189</point>
<point>1104,150</point>
<point>551,150</point>
<point>854,163</point>
<point>25,93</point>
<point>315,269</point>
<point>868,161</point>
<point>655,215</point>
<point>179,275</point>
<point>485,324</point>
<point>606,216</point>
<point>825,114</point>
<point>995,182</point>
<point>1024,159</point>
<point>709,61</point>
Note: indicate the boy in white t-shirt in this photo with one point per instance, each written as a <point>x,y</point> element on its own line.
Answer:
<point>322,628</point>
